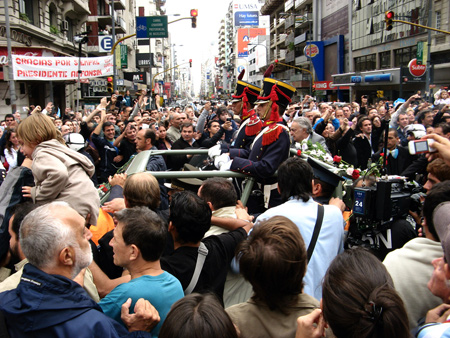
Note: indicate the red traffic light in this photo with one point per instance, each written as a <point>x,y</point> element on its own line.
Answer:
<point>190,63</point>
<point>388,18</point>
<point>194,12</point>
<point>390,15</point>
<point>110,79</point>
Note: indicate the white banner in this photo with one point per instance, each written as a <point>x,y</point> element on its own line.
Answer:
<point>60,68</point>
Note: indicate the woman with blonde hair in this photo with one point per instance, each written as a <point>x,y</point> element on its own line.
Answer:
<point>60,173</point>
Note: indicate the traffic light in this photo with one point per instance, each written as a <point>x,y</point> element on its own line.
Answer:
<point>110,85</point>
<point>388,17</point>
<point>190,63</point>
<point>194,14</point>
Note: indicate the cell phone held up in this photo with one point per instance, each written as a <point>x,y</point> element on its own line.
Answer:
<point>421,146</point>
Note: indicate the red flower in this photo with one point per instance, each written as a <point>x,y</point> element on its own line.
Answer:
<point>381,154</point>
<point>355,174</point>
<point>299,152</point>
<point>337,159</point>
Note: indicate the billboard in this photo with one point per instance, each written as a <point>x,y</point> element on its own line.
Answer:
<point>244,35</point>
<point>246,19</point>
<point>246,13</point>
<point>60,68</point>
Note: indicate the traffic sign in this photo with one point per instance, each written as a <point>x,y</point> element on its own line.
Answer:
<point>104,43</point>
<point>151,27</point>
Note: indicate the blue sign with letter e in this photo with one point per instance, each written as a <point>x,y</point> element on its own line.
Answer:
<point>106,43</point>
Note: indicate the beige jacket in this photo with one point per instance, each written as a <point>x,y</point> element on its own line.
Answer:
<point>62,174</point>
<point>254,318</point>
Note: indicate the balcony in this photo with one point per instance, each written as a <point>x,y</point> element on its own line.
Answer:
<point>270,6</point>
<point>120,25</point>
<point>272,27</point>
<point>77,6</point>
<point>272,43</point>
<point>289,22</point>
<point>301,38</point>
<point>280,55</point>
<point>301,60</point>
<point>289,39</point>
<point>290,56</point>
<point>281,38</point>
<point>301,3</point>
<point>280,23</point>
<point>118,4</point>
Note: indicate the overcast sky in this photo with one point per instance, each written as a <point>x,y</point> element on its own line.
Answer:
<point>198,43</point>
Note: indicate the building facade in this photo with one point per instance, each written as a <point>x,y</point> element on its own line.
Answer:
<point>40,28</point>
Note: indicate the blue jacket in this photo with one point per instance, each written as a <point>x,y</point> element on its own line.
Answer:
<point>262,161</point>
<point>46,305</point>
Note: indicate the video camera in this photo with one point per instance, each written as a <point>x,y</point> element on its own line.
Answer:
<point>378,207</point>
<point>387,200</point>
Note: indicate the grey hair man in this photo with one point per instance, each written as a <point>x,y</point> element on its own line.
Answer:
<point>47,302</point>
<point>174,132</point>
<point>301,130</point>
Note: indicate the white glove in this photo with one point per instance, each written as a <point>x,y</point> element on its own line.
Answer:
<point>214,151</point>
<point>226,166</point>
<point>220,160</point>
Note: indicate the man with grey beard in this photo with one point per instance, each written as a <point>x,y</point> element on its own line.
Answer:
<point>47,302</point>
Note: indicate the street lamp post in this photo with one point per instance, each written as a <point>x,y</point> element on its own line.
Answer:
<point>113,33</point>
<point>12,85</point>
<point>80,39</point>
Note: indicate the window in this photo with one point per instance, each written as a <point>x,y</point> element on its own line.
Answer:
<point>26,10</point>
<point>70,32</point>
<point>52,17</point>
<point>365,63</point>
<point>385,60</point>
<point>402,56</point>
<point>101,11</point>
<point>438,19</point>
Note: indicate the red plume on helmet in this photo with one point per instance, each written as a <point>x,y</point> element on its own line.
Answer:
<point>269,71</point>
<point>241,75</point>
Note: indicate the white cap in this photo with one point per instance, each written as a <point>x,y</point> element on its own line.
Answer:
<point>74,141</point>
<point>418,130</point>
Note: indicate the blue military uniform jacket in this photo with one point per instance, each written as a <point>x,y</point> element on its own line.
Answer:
<point>242,140</point>
<point>262,161</point>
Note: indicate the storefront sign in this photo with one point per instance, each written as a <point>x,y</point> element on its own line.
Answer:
<point>143,60</point>
<point>378,78</point>
<point>315,51</point>
<point>16,36</point>
<point>60,68</point>
<point>136,77</point>
<point>324,85</point>
<point>415,69</point>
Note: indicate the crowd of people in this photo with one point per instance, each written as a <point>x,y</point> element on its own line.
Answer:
<point>185,258</point>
